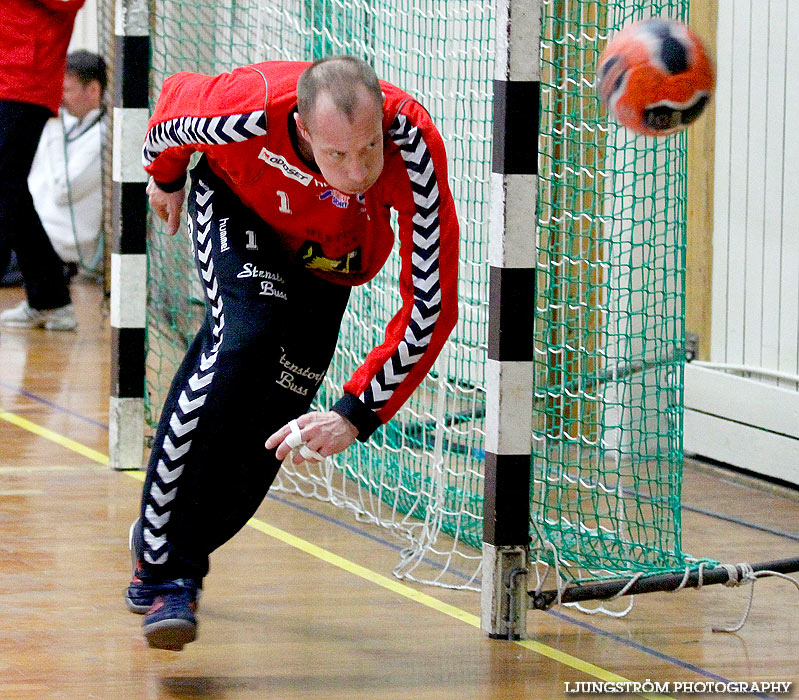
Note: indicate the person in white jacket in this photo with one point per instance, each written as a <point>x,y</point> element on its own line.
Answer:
<point>65,182</point>
<point>66,176</point>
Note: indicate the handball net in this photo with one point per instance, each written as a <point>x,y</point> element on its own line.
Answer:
<point>609,356</point>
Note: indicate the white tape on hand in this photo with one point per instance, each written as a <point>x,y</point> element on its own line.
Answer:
<point>294,438</point>
<point>310,455</point>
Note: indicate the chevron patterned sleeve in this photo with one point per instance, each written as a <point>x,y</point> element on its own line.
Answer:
<point>197,112</point>
<point>428,231</point>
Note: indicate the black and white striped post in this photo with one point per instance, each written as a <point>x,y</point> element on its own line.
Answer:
<point>509,370</point>
<point>128,256</point>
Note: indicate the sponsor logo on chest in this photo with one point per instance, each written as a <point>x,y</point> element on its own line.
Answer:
<point>289,170</point>
<point>338,199</point>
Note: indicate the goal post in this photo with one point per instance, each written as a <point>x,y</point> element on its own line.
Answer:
<point>128,308</point>
<point>511,303</point>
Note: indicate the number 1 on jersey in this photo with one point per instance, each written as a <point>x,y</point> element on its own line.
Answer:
<point>284,202</point>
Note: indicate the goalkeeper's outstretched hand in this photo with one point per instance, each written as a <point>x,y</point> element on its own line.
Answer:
<point>313,436</point>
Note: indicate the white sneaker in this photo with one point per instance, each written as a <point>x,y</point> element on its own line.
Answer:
<point>23,316</point>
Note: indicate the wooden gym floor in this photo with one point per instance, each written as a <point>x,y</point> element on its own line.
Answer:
<point>304,605</point>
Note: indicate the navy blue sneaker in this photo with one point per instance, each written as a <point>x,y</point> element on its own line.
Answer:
<point>170,623</point>
<point>139,596</point>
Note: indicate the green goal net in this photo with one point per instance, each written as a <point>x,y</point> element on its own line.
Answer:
<point>609,331</point>
<point>608,371</point>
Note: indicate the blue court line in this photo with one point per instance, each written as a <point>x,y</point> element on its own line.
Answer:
<point>693,509</point>
<point>652,652</point>
<point>363,533</point>
<point>744,523</point>
<point>679,663</point>
<point>565,618</point>
<point>62,409</point>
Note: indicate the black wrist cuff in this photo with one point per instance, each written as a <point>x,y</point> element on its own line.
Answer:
<point>173,186</point>
<point>357,413</point>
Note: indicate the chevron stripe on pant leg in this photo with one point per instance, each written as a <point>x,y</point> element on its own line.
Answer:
<point>268,337</point>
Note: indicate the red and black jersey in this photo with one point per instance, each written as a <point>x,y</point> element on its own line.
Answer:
<point>243,122</point>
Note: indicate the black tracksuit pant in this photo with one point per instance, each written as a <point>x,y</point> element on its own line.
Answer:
<point>269,335</point>
<point>21,229</point>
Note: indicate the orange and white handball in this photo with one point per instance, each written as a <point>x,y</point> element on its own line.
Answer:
<point>655,76</point>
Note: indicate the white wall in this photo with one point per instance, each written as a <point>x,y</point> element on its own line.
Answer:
<point>755,286</point>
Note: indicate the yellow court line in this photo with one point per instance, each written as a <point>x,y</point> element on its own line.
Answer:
<point>356,569</point>
<point>57,438</point>
<point>436,604</point>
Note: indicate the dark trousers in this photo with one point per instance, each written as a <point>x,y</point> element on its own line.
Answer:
<point>269,335</point>
<point>21,229</point>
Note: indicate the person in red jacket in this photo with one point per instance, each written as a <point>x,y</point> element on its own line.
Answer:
<point>34,36</point>
<point>290,206</point>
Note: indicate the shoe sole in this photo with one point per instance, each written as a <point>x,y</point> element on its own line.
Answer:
<point>170,635</point>
<point>138,608</point>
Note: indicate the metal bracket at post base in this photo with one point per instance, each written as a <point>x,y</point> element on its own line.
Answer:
<point>126,433</point>
<point>504,591</point>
